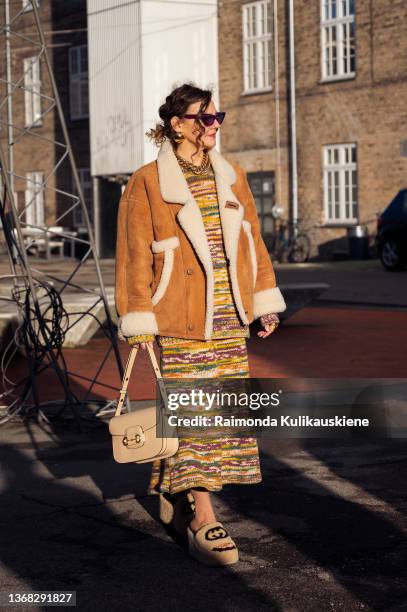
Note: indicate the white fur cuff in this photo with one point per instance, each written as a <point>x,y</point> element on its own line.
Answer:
<point>135,323</point>
<point>268,300</point>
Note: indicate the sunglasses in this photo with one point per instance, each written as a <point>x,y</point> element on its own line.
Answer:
<point>207,119</point>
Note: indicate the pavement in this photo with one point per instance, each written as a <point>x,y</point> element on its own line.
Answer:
<point>363,283</point>
<point>324,531</point>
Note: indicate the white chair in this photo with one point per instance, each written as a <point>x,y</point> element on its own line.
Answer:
<point>53,241</point>
<point>43,240</point>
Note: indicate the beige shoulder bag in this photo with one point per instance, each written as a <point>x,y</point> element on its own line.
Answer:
<point>134,434</point>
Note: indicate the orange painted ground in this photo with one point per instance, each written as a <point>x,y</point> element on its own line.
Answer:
<point>316,342</point>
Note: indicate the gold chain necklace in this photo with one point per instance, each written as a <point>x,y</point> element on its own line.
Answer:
<point>203,167</point>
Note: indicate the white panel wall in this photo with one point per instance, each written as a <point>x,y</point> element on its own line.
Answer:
<point>114,40</point>
<point>139,51</point>
<point>179,44</point>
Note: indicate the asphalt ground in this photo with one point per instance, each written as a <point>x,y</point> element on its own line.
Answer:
<point>325,530</point>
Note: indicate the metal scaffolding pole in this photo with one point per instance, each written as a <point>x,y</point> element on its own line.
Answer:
<point>40,289</point>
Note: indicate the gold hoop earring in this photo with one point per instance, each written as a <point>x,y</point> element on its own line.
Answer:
<point>179,138</point>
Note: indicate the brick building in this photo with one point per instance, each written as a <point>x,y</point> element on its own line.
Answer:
<point>35,153</point>
<point>350,109</point>
<point>350,112</point>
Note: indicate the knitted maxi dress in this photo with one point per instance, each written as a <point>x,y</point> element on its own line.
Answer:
<point>214,462</point>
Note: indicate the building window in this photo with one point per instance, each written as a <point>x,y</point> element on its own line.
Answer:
<point>34,199</point>
<point>257,46</point>
<point>27,5</point>
<point>32,91</point>
<point>262,188</point>
<point>337,39</point>
<point>340,184</point>
<point>78,82</point>
<point>86,185</point>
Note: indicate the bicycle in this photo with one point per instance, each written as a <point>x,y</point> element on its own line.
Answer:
<point>290,243</point>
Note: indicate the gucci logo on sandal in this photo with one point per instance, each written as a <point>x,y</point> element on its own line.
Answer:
<point>212,545</point>
<point>216,533</point>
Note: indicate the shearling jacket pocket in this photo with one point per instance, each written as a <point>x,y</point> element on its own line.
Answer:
<point>166,246</point>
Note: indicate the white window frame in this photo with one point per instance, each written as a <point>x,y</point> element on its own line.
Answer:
<point>337,23</point>
<point>34,214</point>
<point>32,91</point>
<point>257,46</point>
<point>86,185</point>
<point>340,184</point>
<point>27,6</point>
<point>78,80</point>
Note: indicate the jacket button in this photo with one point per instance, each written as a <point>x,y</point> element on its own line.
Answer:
<point>190,326</point>
<point>189,270</point>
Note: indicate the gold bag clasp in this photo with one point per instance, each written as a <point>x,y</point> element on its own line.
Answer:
<point>134,437</point>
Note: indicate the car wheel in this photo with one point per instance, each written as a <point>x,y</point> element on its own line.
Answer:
<point>391,256</point>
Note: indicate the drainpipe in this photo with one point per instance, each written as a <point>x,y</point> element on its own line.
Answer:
<point>96,213</point>
<point>293,126</point>
<point>10,136</point>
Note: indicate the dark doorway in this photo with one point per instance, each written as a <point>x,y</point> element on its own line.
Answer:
<point>109,197</point>
<point>262,185</point>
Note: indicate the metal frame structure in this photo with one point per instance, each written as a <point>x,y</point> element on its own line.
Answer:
<point>25,277</point>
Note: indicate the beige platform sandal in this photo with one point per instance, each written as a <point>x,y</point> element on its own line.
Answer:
<point>212,545</point>
<point>177,510</point>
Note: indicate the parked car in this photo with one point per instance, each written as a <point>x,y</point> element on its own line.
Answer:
<point>391,238</point>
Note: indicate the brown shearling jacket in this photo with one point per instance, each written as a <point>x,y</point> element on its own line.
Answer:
<point>164,281</point>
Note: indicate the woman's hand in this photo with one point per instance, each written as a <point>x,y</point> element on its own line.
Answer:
<point>141,340</point>
<point>144,344</point>
<point>270,324</point>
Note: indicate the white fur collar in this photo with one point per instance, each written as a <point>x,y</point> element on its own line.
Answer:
<point>173,185</point>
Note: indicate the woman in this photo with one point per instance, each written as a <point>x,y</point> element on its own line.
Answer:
<point>193,271</point>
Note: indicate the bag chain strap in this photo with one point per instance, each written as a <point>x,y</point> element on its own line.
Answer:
<point>127,372</point>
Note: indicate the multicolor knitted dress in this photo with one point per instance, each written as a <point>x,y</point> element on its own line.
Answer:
<point>213,462</point>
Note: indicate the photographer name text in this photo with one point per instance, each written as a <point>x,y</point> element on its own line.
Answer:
<point>268,421</point>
